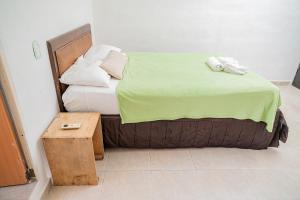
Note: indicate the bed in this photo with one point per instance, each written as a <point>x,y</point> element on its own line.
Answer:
<point>185,132</point>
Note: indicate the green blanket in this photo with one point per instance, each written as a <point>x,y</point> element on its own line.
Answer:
<point>168,86</point>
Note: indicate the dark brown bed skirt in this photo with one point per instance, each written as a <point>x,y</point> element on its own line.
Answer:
<point>193,133</point>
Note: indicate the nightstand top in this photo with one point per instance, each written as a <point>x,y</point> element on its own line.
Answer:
<point>88,121</point>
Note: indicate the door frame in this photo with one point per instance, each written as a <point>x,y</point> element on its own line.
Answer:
<point>9,95</point>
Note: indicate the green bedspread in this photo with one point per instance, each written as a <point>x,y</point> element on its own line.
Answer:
<point>168,86</point>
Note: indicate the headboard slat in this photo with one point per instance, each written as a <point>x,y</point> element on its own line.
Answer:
<point>67,55</point>
<point>63,51</point>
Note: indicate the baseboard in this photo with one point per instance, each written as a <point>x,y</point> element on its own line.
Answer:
<point>281,82</point>
<point>41,190</point>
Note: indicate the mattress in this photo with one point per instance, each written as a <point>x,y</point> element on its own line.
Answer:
<point>88,98</point>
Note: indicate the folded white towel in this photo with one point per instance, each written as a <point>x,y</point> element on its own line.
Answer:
<point>214,64</point>
<point>225,60</point>
<point>233,64</point>
<point>229,68</point>
<point>226,64</point>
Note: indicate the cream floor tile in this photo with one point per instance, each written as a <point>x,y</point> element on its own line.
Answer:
<point>20,192</point>
<point>290,96</point>
<point>133,185</point>
<point>254,184</point>
<point>101,164</point>
<point>293,140</point>
<point>231,158</point>
<point>60,193</point>
<point>177,185</point>
<point>76,192</point>
<point>127,159</point>
<point>281,158</point>
<point>224,184</point>
<point>188,185</point>
<point>223,158</point>
<point>86,192</point>
<point>170,159</point>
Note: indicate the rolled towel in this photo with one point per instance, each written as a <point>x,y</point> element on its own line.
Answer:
<point>229,68</point>
<point>214,64</point>
<point>232,63</point>
<point>225,60</point>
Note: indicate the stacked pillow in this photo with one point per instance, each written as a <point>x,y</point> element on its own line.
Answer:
<point>95,67</point>
<point>114,63</point>
<point>96,53</point>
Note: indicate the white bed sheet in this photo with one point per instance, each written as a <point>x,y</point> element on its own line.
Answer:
<point>88,98</point>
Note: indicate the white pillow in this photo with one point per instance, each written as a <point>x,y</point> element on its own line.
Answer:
<point>82,73</point>
<point>79,61</point>
<point>114,64</point>
<point>99,52</point>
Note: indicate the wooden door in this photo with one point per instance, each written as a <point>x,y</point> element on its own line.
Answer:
<point>12,165</point>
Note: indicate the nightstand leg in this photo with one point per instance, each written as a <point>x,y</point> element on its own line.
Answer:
<point>98,142</point>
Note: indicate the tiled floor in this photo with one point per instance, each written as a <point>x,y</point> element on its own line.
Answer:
<point>209,173</point>
<point>20,192</point>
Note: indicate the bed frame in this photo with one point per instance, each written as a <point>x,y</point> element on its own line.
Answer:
<point>211,132</point>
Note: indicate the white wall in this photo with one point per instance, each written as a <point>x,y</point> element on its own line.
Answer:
<point>262,34</point>
<point>21,22</point>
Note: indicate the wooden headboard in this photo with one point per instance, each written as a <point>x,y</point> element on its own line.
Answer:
<point>63,51</point>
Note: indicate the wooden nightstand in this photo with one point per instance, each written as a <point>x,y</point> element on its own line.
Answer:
<point>71,153</point>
